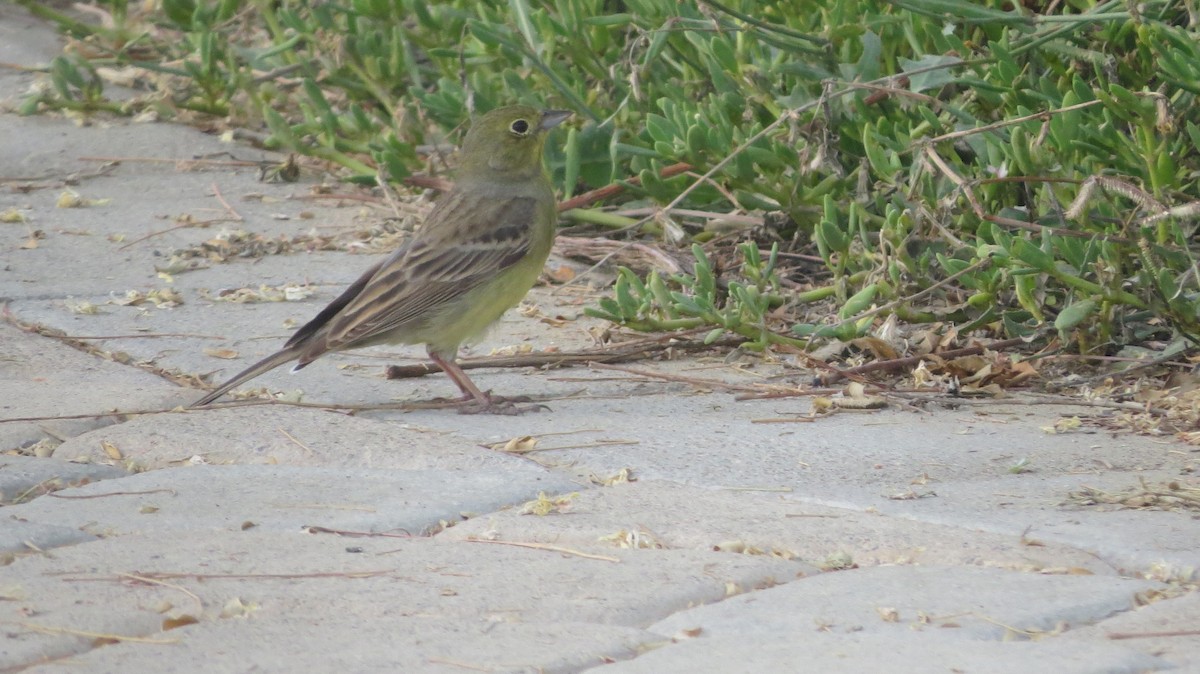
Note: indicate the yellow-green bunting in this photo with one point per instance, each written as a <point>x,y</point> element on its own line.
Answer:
<point>476,255</point>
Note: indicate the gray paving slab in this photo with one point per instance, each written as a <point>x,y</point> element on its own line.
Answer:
<point>41,377</point>
<point>289,498</point>
<point>915,619</point>
<point>901,464</point>
<point>652,514</point>
<point>1166,629</point>
<point>135,229</point>
<point>25,40</point>
<point>846,456</point>
<point>284,436</point>
<point>317,643</point>
<point>443,602</point>
<point>1136,541</point>
<point>23,478</point>
<point>912,653</point>
<point>963,602</point>
<point>18,536</point>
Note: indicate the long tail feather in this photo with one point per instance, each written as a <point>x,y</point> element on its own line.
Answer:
<point>266,364</point>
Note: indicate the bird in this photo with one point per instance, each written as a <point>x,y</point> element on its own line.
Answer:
<point>476,255</point>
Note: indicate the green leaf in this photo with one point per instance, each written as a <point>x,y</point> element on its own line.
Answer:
<point>660,129</point>
<point>1074,314</point>
<point>1025,285</point>
<point>943,74</point>
<point>1032,255</point>
<point>830,237</point>
<point>610,20</point>
<point>521,11</point>
<point>859,302</point>
<point>881,164</point>
<point>571,164</point>
<point>959,9</point>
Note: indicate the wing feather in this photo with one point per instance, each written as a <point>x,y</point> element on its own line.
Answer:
<point>450,256</point>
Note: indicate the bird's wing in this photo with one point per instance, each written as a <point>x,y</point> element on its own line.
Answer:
<point>310,328</point>
<point>451,255</point>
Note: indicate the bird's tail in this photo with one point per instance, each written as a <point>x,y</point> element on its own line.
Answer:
<point>266,364</point>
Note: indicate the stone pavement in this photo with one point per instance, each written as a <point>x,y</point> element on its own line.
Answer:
<point>295,539</point>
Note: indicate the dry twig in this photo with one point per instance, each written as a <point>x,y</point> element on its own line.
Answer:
<point>641,349</point>
<point>47,629</point>
<point>552,548</point>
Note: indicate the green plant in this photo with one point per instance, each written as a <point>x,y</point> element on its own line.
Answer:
<point>697,299</point>
<point>1003,168</point>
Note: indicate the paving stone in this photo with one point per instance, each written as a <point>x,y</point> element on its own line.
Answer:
<point>24,40</point>
<point>1166,629</point>
<point>911,653</point>
<point>847,457</point>
<point>285,436</point>
<point>487,605</point>
<point>106,249</point>
<point>378,644</point>
<point>23,478</point>
<point>1158,543</point>
<point>20,536</point>
<point>906,619</point>
<point>657,513</point>
<point>968,602</point>
<point>40,377</point>
<point>289,498</point>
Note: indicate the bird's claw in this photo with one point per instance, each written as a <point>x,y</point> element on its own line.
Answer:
<point>499,405</point>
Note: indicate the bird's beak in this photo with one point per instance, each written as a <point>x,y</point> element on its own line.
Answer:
<point>552,118</point>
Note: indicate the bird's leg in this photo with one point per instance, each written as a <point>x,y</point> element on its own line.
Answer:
<point>459,377</point>
<point>477,401</point>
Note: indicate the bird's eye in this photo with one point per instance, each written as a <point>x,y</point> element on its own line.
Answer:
<point>520,127</point>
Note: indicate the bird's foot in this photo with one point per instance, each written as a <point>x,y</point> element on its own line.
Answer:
<point>506,405</point>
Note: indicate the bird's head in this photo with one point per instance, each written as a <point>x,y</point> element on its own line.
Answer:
<point>507,142</point>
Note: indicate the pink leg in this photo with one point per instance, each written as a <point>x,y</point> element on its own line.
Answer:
<point>477,401</point>
<point>460,379</point>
